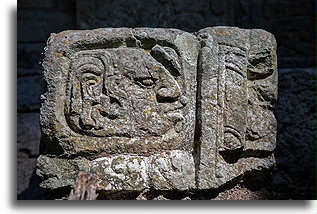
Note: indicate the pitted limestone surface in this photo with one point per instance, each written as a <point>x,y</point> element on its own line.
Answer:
<point>238,90</point>
<point>157,108</point>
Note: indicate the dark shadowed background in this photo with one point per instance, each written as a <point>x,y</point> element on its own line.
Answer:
<point>291,21</point>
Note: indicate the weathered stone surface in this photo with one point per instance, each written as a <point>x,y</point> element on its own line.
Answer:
<point>165,171</point>
<point>289,21</point>
<point>122,91</point>
<point>125,105</point>
<point>238,90</point>
<point>241,193</point>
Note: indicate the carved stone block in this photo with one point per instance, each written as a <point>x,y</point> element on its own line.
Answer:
<point>123,99</point>
<point>238,90</point>
<point>157,108</point>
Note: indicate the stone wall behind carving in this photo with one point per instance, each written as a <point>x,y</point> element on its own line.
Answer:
<point>291,21</point>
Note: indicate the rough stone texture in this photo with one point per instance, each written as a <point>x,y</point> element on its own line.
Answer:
<point>238,90</point>
<point>294,175</point>
<point>121,91</point>
<point>242,193</point>
<point>164,171</point>
<point>237,192</point>
<point>290,21</point>
<point>121,103</point>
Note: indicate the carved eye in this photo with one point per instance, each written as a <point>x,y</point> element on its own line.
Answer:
<point>91,82</point>
<point>90,79</point>
<point>146,82</point>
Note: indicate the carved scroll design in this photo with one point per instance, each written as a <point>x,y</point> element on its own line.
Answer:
<point>232,83</point>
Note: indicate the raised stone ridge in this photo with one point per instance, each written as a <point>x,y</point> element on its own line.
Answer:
<point>157,108</point>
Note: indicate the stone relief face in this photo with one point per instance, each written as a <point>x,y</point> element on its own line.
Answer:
<point>158,108</point>
<point>123,92</point>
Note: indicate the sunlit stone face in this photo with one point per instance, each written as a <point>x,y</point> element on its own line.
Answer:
<point>151,108</point>
<point>123,92</point>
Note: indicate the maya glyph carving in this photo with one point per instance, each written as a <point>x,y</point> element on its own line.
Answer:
<point>157,108</point>
<point>109,86</point>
